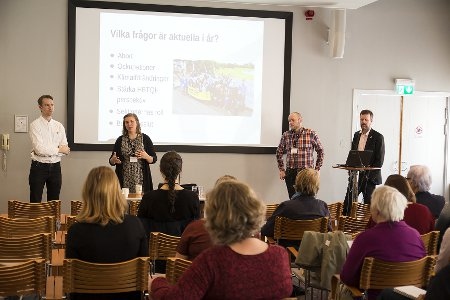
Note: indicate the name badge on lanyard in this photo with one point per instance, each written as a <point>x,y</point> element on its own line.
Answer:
<point>133,159</point>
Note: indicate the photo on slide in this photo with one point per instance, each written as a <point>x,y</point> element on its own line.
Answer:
<point>207,87</point>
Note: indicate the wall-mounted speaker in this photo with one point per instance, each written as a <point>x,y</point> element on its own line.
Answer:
<point>336,33</point>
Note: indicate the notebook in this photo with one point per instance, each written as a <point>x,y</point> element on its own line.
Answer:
<point>358,159</point>
<point>409,291</point>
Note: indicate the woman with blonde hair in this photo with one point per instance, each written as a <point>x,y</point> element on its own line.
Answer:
<point>302,206</point>
<point>195,238</point>
<point>239,266</point>
<point>104,233</point>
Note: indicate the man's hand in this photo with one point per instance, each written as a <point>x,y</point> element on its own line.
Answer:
<point>64,149</point>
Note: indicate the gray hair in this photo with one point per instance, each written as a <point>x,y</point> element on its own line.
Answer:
<point>389,203</point>
<point>420,177</point>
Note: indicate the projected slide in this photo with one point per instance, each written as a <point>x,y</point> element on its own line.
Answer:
<point>192,79</point>
<point>180,70</point>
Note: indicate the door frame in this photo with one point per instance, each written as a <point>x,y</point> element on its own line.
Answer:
<point>360,92</point>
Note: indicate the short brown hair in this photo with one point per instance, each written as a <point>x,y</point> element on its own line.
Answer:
<point>307,182</point>
<point>103,201</point>
<point>366,112</point>
<point>233,212</point>
<point>42,98</point>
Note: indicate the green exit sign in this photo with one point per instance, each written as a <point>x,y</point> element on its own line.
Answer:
<point>404,86</point>
<point>405,89</point>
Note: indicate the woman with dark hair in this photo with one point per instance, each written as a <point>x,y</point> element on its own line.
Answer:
<point>170,208</point>
<point>132,154</point>
<point>416,215</point>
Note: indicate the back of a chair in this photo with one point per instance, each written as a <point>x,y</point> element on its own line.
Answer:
<point>430,241</point>
<point>75,207</point>
<point>37,246</point>
<point>162,246</point>
<point>350,225</point>
<point>335,212</point>
<point>92,278</point>
<point>23,226</point>
<point>378,274</point>
<point>175,268</point>
<point>289,229</point>
<point>270,208</point>
<point>23,278</point>
<point>19,209</point>
<point>134,206</point>
<point>70,220</point>
<point>360,211</point>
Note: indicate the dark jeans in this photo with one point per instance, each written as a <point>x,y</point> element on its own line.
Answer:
<point>289,179</point>
<point>365,186</point>
<point>44,174</point>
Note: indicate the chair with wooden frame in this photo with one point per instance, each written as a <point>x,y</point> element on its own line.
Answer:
<point>94,278</point>
<point>75,207</point>
<point>23,226</point>
<point>270,208</point>
<point>175,268</point>
<point>378,274</point>
<point>15,249</point>
<point>161,247</point>
<point>289,229</point>
<point>360,211</point>
<point>19,209</point>
<point>24,278</point>
<point>70,221</point>
<point>335,212</point>
<point>133,206</point>
<point>430,241</point>
<point>351,225</point>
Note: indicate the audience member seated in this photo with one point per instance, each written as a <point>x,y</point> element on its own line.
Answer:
<point>420,179</point>
<point>302,206</point>
<point>238,266</point>
<point>195,238</point>
<point>416,215</point>
<point>170,208</point>
<point>103,232</point>
<point>390,240</point>
<point>443,258</point>
<point>438,287</point>
<point>443,222</point>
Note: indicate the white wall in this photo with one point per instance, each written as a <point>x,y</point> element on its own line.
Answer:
<point>384,40</point>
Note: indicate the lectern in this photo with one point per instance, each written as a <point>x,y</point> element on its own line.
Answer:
<point>354,177</point>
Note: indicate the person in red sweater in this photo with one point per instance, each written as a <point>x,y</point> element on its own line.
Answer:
<point>239,265</point>
<point>195,238</point>
<point>416,215</point>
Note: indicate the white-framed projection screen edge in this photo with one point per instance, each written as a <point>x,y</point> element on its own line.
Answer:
<point>200,79</point>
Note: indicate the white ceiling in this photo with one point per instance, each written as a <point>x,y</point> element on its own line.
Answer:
<point>349,4</point>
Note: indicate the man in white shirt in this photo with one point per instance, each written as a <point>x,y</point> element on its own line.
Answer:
<point>49,142</point>
<point>366,139</point>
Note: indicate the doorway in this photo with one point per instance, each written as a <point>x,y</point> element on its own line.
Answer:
<point>414,128</point>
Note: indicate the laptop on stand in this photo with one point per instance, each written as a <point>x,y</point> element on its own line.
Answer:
<point>358,159</point>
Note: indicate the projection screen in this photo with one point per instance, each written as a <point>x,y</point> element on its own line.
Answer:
<point>200,79</point>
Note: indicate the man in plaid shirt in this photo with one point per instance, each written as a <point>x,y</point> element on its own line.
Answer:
<point>299,144</point>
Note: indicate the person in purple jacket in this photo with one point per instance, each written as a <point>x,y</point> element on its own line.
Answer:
<point>390,240</point>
